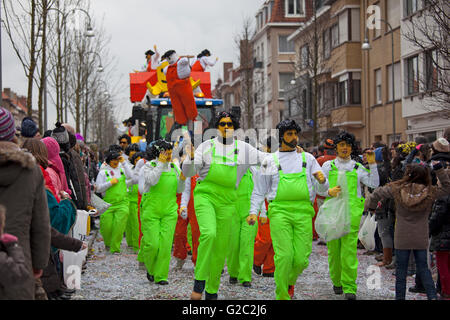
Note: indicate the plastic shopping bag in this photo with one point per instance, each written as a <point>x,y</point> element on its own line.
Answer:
<point>99,204</point>
<point>79,230</point>
<point>72,264</point>
<point>333,219</point>
<point>367,233</point>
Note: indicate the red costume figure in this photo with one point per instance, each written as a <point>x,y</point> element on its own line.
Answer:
<point>180,241</point>
<point>204,60</point>
<point>180,88</point>
<point>263,252</point>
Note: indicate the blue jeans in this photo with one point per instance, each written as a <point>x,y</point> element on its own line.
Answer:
<point>422,271</point>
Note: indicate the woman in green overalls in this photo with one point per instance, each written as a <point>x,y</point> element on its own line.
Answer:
<point>111,182</point>
<point>159,182</point>
<point>290,181</point>
<point>220,164</point>
<point>342,252</point>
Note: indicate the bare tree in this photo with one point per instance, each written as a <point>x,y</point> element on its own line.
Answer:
<point>430,32</point>
<point>243,44</point>
<point>21,23</point>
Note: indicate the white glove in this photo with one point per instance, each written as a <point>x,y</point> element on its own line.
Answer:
<point>183,213</point>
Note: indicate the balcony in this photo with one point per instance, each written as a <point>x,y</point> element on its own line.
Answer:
<point>347,116</point>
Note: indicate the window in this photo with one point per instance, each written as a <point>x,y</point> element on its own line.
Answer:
<point>410,7</point>
<point>342,92</point>
<point>378,99</point>
<point>304,56</point>
<point>294,7</point>
<point>431,71</point>
<point>266,14</point>
<point>284,80</point>
<point>376,31</point>
<point>354,24</point>
<point>412,75</point>
<point>393,13</point>
<point>355,88</point>
<point>397,81</point>
<point>343,27</point>
<point>285,46</point>
<point>326,44</point>
<point>334,36</point>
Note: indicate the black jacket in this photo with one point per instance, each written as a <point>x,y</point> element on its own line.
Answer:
<point>439,225</point>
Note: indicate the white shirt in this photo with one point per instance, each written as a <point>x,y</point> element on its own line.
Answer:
<point>290,162</point>
<point>183,68</point>
<point>149,175</point>
<point>207,62</point>
<point>103,184</point>
<point>246,157</point>
<point>371,179</point>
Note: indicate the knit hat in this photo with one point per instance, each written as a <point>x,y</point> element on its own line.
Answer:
<point>329,144</point>
<point>441,145</point>
<point>7,128</point>
<point>60,134</point>
<point>28,128</point>
<point>79,136</point>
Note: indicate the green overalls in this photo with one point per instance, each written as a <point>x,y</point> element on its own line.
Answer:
<point>214,202</point>
<point>158,220</point>
<point>290,215</point>
<point>342,252</point>
<point>240,257</point>
<point>114,221</point>
<point>132,230</point>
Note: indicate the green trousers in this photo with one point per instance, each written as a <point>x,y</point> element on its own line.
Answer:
<point>113,224</point>
<point>291,232</point>
<point>158,228</point>
<point>343,262</point>
<point>242,243</point>
<point>132,230</point>
<point>214,220</point>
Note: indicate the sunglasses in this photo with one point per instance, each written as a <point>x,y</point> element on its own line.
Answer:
<point>228,124</point>
<point>123,142</point>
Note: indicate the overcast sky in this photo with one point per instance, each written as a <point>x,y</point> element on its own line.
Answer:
<point>136,25</point>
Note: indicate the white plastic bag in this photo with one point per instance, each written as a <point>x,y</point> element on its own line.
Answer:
<point>72,264</point>
<point>79,230</point>
<point>99,204</point>
<point>367,233</point>
<point>333,219</point>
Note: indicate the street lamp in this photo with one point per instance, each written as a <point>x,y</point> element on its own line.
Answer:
<point>366,46</point>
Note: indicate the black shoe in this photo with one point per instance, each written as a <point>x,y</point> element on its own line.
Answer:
<point>268,275</point>
<point>337,290</point>
<point>150,277</point>
<point>350,296</point>
<point>247,284</point>
<point>68,291</point>
<point>233,280</point>
<point>162,282</point>
<point>210,296</point>
<point>257,269</point>
<point>417,289</point>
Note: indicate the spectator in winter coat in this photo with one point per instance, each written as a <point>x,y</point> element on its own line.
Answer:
<point>55,167</point>
<point>13,269</point>
<point>413,195</point>
<point>439,225</point>
<point>22,192</point>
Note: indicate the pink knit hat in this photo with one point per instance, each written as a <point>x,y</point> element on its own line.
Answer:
<point>54,160</point>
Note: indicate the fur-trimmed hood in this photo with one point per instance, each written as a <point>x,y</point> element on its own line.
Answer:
<point>415,197</point>
<point>12,161</point>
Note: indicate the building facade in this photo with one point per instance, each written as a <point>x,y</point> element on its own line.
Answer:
<point>274,57</point>
<point>17,105</point>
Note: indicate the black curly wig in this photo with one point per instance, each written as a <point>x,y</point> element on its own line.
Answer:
<point>225,114</point>
<point>111,155</point>
<point>133,158</point>
<point>132,147</point>
<point>157,147</point>
<point>287,125</point>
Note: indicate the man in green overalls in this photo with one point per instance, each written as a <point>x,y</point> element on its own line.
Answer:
<point>240,257</point>
<point>289,180</point>
<point>132,230</point>
<point>342,252</point>
<point>159,182</point>
<point>220,164</point>
<point>111,182</point>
